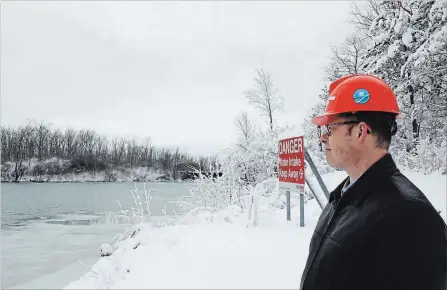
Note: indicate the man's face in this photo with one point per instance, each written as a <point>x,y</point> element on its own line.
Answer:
<point>340,146</point>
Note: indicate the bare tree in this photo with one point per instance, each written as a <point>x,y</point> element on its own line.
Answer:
<point>87,140</point>
<point>43,135</point>
<point>166,159</point>
<point>147,152</point>
<point>132,152</point>
<point>100,152</point>
<point>265,96</point>
<point>346,58</point>
<point>55,143</point>
<point>114,151</point>
<point>118,150</point>
<point>246,130</point>
<point>175,162</point>
<point>70,143</point>
<point>121,150</point>
<point>21,138</point>
<point>245,127</point>
<point>6,137</point>
<point>363,17</point>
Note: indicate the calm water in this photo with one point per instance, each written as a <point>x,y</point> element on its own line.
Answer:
<point>48,228</point>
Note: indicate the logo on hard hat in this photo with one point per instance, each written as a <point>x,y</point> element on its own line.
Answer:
<point>361,96</point>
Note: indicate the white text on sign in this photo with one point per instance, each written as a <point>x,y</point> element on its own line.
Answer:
<point>290,162</point>
<point>291,174</point>
<point>291,146</point>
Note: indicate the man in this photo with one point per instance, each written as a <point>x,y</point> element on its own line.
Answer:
<point>378,230</point>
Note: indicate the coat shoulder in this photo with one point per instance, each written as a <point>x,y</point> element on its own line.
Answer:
<point>398,188</point>
<point>401,194</point>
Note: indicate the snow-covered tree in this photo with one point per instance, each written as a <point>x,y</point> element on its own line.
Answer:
<point>404,43</point>
<point>409,51</point>
<point>246,129</point>
<point>265,96</point>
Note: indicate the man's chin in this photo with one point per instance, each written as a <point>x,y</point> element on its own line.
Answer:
<point>330,161</point>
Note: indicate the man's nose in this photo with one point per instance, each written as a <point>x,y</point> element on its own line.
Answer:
<point>324,138</point>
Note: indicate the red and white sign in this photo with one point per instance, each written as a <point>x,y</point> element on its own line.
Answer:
<point>291,163</point>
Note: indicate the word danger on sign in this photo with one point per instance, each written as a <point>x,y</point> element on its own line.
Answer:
<point>290,146</point>
<point>291,162</point>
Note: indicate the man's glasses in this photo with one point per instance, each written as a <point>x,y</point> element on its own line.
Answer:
<point>327,129</point>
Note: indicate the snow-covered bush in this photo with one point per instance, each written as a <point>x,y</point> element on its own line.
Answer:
<point>7,171</point>
<point>244,165</point>
<point>140,211</point>
<point>138,215</point>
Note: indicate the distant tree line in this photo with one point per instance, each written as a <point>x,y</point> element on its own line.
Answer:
<point>28,150</point>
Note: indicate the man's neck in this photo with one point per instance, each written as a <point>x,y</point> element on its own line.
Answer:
<point>364,163</point>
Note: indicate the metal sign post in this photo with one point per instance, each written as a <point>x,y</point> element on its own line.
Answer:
<point>314,194</point>
<point>315,172</point>
<point>288,204</point>
<point>302,209</point>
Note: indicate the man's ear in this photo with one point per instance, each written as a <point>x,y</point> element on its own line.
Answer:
<point>362,128</point>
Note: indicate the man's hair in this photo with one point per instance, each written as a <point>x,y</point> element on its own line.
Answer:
<point>383,125</point>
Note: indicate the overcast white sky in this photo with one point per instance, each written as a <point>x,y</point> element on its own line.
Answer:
<point>173,71</point>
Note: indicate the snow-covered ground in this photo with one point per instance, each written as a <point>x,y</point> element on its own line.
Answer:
<point>225,253</point>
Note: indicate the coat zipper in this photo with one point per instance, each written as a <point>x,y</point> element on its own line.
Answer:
<point>319,244</point>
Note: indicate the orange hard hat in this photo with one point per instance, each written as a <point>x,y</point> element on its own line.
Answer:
<point>355,93</point>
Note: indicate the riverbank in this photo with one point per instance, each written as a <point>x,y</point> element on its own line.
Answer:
<point>90,177</point>
<point>92,181</point>
<point>57,170</point>
<point>223,250</point>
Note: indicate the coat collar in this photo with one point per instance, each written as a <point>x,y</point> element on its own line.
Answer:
<point>366,182</point>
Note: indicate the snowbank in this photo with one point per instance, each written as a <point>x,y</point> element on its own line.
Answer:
<point>209,255</point>
<point>224,253</point>
<point>205,256</point>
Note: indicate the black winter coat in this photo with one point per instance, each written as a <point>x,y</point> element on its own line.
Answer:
<point>382,233</point>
